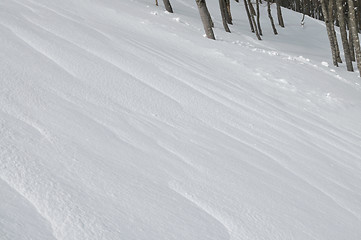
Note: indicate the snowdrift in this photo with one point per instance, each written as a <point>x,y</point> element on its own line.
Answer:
<point>121,121</point>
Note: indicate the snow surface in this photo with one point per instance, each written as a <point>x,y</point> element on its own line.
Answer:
<point>119,120</point>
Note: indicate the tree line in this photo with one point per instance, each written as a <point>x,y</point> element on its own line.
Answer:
<point>225,11</point>
<point>344,14</point>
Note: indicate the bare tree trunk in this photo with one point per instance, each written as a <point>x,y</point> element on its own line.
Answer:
<point>156,2</point>
<point>307,7</point>
<point>248,15</point>
<point>329,32</point>
<point>229,15</point>
<point>318,12</point>
<point>167,6</point>
<point>332,26</point>
<point>279,14</point>
<point>258,16</point>
<point>359,14</point>
<point>303,19</point>
<point>251,8</point>
<point>350,38</point>
<point>312,9</point>
<point>206,18</point>
<point>303,12</point>
<point>271,18</point>
<point>353,29</point>
<point>297,6</point>
<point>350,43</point>
<point>209,15</point>
<point>223,9</point>
<point>346,48</point>
<point>253,12</point>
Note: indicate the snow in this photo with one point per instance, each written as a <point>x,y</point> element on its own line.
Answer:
<point>121,121</point>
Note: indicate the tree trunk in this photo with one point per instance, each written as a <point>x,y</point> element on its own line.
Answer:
<point>297,6</point>
<point>253,12</point>
<point>156,2</point>
<point>229,15</point>
<point>346,47</point>
<point>223,9</point>
<point>329,32</point>
<point>258,21</point>
<point>270,17</point>
<point>279,14</point>
<point>359,14</point>
<point>353,29</point>
<point>332,26</point>
<point>248,15</point>
<point>350,43</point>
<point>303,20</point>
<point>206,18</point>
<point>209,15</point>
<point>312,9</point>
<point>303,9</point>
<point>251,8</point>
<point>307,7</point>
<point>167,6</point>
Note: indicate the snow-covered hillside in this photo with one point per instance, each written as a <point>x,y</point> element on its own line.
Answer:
<point>121,121</point>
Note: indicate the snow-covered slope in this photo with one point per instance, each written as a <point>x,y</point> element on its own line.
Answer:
<point>120,121</point>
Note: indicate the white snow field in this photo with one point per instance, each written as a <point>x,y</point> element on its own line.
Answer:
<point>121,121</point>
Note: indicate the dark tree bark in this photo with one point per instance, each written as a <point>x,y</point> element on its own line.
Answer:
<point>223,9</point>
<point>346,47</point>
<point>356,4</point>
<point>258,17</point>
<point>156,2</point>
<point>354,30</point>
<point>350,43</point>
<point>206,18</point>
<point>329,32</point>
<point>303,10</point>
<point>279,14</point>
<point>251,8</point>
<point>297,7</point>
<point>271,18</point>
<point>359,14</point>
<point>229,15</point>
<point>331,16</point>
<point>318,11</point>
<point>167,6</point>
<point>248,15</point>
<point>307,7</point>
<point>303,20</point>
<point>311,9</point>
<point>253,13</point>
<point>209,15</point>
